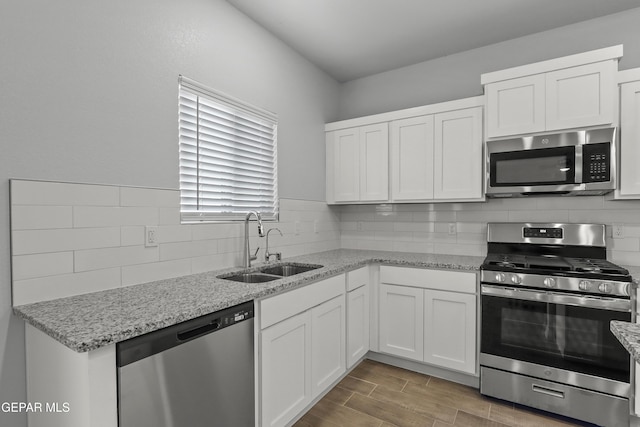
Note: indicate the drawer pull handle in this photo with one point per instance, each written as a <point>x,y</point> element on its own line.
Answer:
<point>547,391</point>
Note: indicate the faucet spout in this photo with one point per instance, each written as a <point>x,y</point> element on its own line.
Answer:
<point>247,257</point>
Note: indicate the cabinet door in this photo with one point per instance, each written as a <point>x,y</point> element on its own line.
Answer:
<point>412,159</point>
<point>458,155</point>
<point>327,343</point>
<point>346,165</point>
<point>374,162</point>
<point>357,324</point>
<point>581,96</point>
<point>516,106</point>
<point>285,369</point>
<point>401,321</point>
<point>630,140</point>
<point>450,330</point>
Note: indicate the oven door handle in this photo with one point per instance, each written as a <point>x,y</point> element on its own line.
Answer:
<point>615,304</point>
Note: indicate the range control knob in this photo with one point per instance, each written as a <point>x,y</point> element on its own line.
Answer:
<point>549,282</point>
<point>515,279</point>
<point>605,288</point>
<point>500,277</point>
<point>584,285</point>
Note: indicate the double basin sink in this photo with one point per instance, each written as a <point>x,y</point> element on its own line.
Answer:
<point>269,273</point>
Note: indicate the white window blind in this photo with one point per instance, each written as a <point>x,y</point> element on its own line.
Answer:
<point>228,163</point>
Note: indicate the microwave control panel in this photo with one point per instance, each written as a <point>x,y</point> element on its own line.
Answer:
<point>596,162</point>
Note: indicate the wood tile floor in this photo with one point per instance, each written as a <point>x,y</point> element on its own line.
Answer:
<point>379,395</point>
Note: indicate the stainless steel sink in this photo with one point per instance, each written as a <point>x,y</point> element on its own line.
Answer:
<point>286,270</point>
<point>269,273</point>
<point>250,277</point>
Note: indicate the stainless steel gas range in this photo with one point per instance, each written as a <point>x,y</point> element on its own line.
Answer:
<point>548,295</point>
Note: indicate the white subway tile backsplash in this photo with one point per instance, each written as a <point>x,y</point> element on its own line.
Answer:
<point>64,285</point>
<point>63,194</point>
<point>34,217</point>
<point>60,240</point>
<point>95,259</point>
<point>132,235</point>
<point>174,233</point>
<point>143,273</point>
<point>63,234</point>
<point>42,265</point>
<point>151,197</point>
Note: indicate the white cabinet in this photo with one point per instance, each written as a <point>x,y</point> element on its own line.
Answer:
<point>429,316</point>
<point>570,92</point>
<point>458,158</point>
<point>286,369</point>
<point>629,139</point>
<point>437,157</point>
<point>358,315</point>
<point>411,159</point>
<point>449,330</point>
<point>327,343</point>
<point>515,106</point>
<point>402,321</point>
<point>302,347</point>
<point>357,164</point>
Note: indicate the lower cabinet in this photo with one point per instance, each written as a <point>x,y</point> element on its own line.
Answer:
<point>429,316</point>
<point>402,321</point>
<point>327,344</point>
<point>286,369</point>
<point>358,315</point>
<point>302,348</point>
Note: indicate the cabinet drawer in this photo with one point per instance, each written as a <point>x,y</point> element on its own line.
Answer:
<point>357,278</point>
<point>453,281</point>
<point>283,306</point>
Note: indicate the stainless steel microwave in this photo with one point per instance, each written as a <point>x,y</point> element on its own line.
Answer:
<point>566,164</point>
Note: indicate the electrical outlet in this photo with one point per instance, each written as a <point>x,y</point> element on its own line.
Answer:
<point>618,231</point>
<point>296,228</point>
<point>452,228</point>
<point>150,236</point>
<point>315,226</point>
<point>359,226</point>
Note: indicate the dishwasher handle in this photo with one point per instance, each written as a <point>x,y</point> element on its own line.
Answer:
<point>189,334</point>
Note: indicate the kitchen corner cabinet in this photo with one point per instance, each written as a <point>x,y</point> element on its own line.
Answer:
<point>575,95</point>
<point>429,316</point>
<point>629,187</point>
<point>358,315</point>
<point>302,348</point>
<point>357,164</point>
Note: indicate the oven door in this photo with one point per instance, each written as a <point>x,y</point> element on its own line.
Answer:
<point>565,331</point>
<point>553,169</point>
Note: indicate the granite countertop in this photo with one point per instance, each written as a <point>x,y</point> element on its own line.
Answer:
<point>629,335</point>
<point>90,321</point>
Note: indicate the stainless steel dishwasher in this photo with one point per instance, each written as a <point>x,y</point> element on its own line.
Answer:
<point>197,373</point>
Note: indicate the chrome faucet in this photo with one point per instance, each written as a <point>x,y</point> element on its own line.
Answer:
<point>267,255</point>
<point>247,254</point>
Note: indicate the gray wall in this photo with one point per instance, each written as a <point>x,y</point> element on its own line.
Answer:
<point>89,94</point>
<point>458,76</point>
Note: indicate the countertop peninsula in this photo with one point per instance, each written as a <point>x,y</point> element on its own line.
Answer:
<point>90,321</point>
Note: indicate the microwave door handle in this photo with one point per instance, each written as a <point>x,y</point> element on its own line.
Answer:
<point>578,164</point>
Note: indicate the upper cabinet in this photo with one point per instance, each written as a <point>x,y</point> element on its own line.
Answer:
<point>629,184</point>
<point>571,92</point>
<point>424,154</point>
<point>359,160</point>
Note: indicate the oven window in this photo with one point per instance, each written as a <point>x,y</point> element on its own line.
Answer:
<point>562,336</point>
<point>533,167</point>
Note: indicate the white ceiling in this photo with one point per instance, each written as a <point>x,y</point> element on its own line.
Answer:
<point>356,38</point>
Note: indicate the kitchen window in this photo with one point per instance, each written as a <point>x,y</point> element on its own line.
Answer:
<point>228,161</point>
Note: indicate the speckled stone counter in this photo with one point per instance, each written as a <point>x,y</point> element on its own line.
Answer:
<point>629,335</point>
<point>90,321</point>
